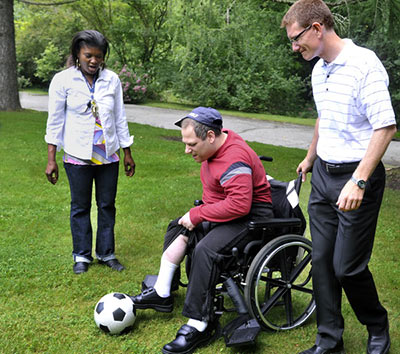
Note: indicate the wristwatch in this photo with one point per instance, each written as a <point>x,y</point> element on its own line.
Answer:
<point>359,182</point>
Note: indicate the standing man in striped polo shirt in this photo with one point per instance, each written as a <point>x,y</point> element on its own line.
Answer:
<point>354,127</point>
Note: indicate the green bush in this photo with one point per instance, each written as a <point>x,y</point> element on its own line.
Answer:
<point>23,81</point>
<point>237,65</point>
<point>35,28</point>
<point>49,63</point>
<point>134,85</point>
<point>247,77</point>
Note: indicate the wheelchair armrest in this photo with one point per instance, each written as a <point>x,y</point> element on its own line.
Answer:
<point>275,223</point>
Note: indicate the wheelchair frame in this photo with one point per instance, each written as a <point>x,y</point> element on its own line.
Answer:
<point>269,282</point>
<point>271,286</point>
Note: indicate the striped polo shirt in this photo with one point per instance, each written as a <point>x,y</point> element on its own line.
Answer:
<point>352,99</point>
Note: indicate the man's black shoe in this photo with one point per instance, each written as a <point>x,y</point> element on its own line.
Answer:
<point>149,299</point>
<point>379,344</point>
<point>188,339</point>
<point>114,264</point>
<point>80,267</point>
<point>339,349</point>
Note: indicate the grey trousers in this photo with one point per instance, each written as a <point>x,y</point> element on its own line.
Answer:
<point>209,253</point>
<point>342,247</point>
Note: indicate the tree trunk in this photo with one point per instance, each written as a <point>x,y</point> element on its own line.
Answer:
<point>9,99</point>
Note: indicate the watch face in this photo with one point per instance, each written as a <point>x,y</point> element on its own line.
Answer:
<point>361,184</point>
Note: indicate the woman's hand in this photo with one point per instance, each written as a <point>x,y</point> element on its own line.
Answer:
<point>52,167</point>
<point>52,172</point>
<point>129,163</point>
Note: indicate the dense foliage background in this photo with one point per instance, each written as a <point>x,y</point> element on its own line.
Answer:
<point>221,53</point>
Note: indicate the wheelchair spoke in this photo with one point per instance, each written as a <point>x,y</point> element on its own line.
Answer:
<point>299,270</point>
<point>279,287</point>
<point>285,264</point>
<point>274,282</point>
<point>273,300</point>
<point>300,267</point>
<point>289,307</point>
<point>302,289</point>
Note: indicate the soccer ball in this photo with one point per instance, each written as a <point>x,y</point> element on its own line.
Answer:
<point>115,313</point>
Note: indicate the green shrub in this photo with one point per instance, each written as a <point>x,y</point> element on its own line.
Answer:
<point>238,65</point>
<point>134,85</point>
<point>49,63</point>
<point>23,81</point>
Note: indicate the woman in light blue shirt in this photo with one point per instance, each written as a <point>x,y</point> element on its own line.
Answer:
<point>87,120</point>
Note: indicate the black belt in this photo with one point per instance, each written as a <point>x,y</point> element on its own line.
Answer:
<point>338,168</point>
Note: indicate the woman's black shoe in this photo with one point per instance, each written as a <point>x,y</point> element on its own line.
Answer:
<point>113,264</point>
<point>80,267</point>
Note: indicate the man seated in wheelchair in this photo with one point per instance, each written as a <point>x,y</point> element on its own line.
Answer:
<point>235,191</point>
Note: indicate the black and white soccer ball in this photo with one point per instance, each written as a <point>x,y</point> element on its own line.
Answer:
<point>115,313</point>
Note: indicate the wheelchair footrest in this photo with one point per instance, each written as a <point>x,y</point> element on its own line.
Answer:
<point>241,331</point>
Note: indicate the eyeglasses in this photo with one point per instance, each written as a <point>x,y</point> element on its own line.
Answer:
<point>296,38</point>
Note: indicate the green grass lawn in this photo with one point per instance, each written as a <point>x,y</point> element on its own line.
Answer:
<point>45,308</point>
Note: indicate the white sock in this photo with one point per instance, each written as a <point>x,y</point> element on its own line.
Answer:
<point>164,279</point>
<point>199,325</point>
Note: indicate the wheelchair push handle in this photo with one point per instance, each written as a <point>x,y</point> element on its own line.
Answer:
<point>265,158</point>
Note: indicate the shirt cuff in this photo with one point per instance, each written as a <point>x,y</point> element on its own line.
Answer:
<point>194,214</point>
<point>128,143</point>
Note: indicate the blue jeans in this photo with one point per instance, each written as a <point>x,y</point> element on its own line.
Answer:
<point>81,184</point>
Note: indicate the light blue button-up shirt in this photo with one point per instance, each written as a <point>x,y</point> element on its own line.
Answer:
<point>70,123</point>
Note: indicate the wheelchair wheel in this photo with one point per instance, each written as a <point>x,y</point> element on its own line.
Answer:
<point>278,290</point>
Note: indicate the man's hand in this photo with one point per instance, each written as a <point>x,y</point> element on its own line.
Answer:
<point>304,167</point>
<point>350,197</point>
<point>186,222</point>
<point>52,172</point>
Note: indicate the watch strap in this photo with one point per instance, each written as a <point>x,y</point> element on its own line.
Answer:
<point>359,182</point>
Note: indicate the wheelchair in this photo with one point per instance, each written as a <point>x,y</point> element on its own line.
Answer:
<point>269,282</point>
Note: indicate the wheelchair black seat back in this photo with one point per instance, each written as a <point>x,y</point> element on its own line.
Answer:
<point>285,202</point>
<point>269,281</point>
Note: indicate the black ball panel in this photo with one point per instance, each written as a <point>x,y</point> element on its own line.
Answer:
<point>119,315</point>
<point>100,307</point>
<point>119,296</point>
<point>104,328</point>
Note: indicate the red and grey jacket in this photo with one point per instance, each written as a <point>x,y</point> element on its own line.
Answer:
<point>233,179</point>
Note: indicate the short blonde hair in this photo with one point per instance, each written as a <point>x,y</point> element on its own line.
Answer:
<point>305,12</point>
